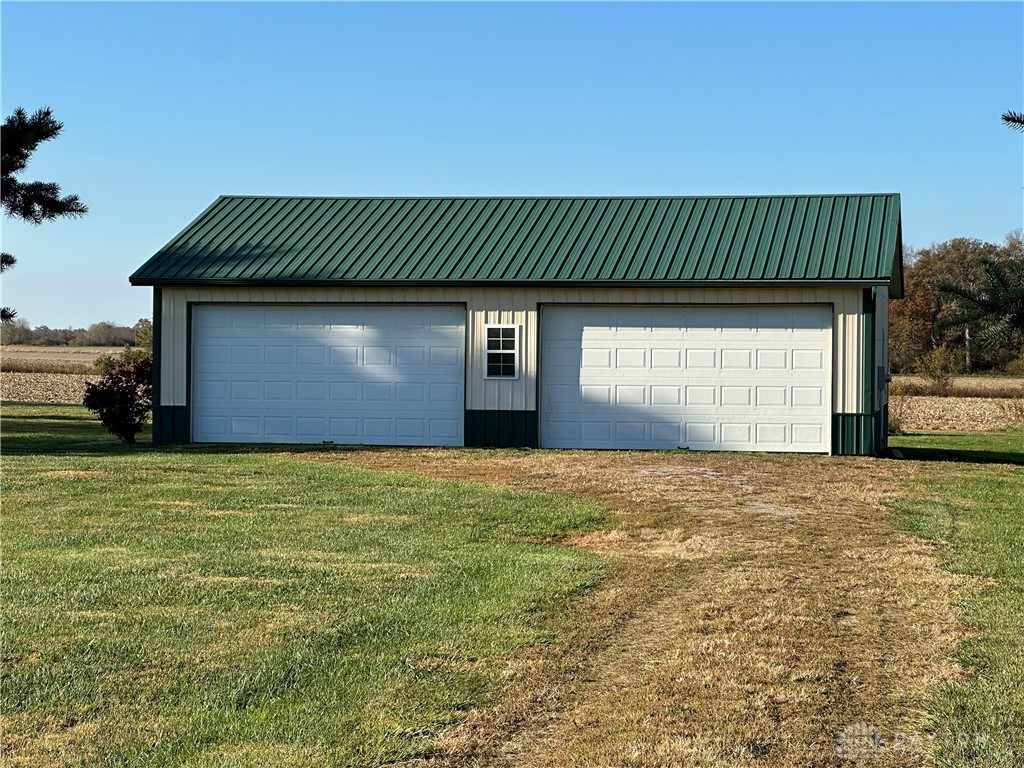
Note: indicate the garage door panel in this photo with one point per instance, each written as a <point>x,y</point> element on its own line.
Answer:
<point>736,396</point>
<point>409,429</point>
<point>807,434</point>
<point>666,394</point>
<point>740,321</point>
<point>737,359</point>
<point>246,319</point>
<point>213,354</point>
<point>705,377</point>
<point>737,435</point>
<point>374,375</point>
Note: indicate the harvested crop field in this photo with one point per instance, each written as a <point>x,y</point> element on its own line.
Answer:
<point>30,352</point>
<point>28,359</point>
<point>964,386</point>
<point>43,387</point>
<point>958,414</point>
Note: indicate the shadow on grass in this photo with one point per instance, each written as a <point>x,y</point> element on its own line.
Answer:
<point>1001,447</point>
<point>86,418</point>
<point>39,429</point>
<point>963,456</point>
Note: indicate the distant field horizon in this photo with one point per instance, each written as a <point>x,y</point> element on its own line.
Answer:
<point>37,351</point>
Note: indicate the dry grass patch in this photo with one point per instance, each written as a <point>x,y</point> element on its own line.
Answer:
<point>228,513</point>
<point>58,741</point>
<point>74,473</point>
<point>55,741</point>
<point>278,755</point>
<point>760,606</point>
<point>240,581</point>
<point>965,386</point>
<point>362,519</point>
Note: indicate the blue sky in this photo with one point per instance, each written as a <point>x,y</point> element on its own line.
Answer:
<point>167,106</point>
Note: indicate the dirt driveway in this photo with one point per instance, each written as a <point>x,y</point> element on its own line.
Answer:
<point>763,610</point>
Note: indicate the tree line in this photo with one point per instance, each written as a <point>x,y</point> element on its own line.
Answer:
<point>104,334</point>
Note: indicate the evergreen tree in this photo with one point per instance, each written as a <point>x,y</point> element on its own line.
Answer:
<point>31,201</point>
<point>1014,119</point>
<point>997,304</point>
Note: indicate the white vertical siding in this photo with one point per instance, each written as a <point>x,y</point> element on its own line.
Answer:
<point>520,306</point>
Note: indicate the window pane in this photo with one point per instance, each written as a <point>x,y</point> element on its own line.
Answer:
<point>501,364</point>
<point>501,351</point>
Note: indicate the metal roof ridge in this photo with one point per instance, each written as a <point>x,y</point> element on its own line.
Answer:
<point>805,195</point>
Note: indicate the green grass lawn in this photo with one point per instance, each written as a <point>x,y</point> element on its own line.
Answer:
<point>975,511</point>
<point>189,606</point>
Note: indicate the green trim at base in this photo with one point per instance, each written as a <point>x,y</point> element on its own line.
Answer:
<point>170,424</point>
<point>501,429</point>
<point>855,434</point>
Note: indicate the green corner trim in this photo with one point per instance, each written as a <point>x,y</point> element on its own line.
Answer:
<point>855,434</point>
<point>501,429</point>
<point>868,350</point>
<point>170,424</point>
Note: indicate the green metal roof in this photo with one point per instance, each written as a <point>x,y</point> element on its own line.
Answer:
<point>531,240</point>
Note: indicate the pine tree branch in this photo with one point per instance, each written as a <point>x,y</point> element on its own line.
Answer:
<point>34,201</point>
<point>21,134</point>
<point>1014,120</point>
<point>39,201</point>
<point>997,307</point>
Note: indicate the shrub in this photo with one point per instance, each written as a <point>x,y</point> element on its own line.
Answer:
<point>1013,410</point>
<point>899,397</point>
<point>126,357</point>
<point>123,397</point>
<point>1016,366</point>
<point>938,367</point>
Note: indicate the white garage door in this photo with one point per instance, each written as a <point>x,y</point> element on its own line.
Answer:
<point>710,378</point>
<point>364,375</point>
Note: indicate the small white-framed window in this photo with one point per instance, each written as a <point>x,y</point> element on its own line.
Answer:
<point>501,352</point>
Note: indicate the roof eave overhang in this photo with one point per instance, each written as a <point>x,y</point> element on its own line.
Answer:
<point>249,283</point>
<point>896,282</point>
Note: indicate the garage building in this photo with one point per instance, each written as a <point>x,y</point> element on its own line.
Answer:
<point>708,323</point>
